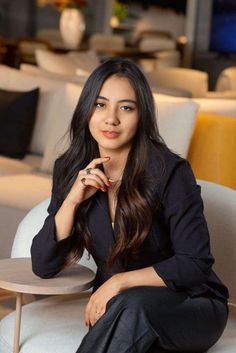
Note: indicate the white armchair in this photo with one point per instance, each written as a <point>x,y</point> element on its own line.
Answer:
<point>227,80</point>
<point>190,81</point>
<point>103,42</point>
<point>55,324</point>
<point>193,81</point>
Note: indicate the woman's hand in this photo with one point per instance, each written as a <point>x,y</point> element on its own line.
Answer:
<point>96,306</point>
<point>88,181</point>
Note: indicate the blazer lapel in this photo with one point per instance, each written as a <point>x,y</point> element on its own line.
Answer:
<point>101,228</point>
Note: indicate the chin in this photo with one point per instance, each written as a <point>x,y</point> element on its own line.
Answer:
<point>114,146</point>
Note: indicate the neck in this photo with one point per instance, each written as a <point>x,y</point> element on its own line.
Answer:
<point>115,167</point>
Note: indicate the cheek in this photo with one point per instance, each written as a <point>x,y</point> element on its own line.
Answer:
<point>92,125</point>
<point>133,126</point>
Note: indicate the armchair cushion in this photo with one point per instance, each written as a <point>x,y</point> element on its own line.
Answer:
<point>176,122</point>
<point>55,324</point>
<point>212,149</point>
<point>56,143</point>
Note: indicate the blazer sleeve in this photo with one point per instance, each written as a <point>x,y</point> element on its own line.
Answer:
<point>48,255</point>
<point>191,261</point>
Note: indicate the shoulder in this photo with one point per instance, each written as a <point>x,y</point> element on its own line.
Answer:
<point>164,162</point>
<point>172,173</point>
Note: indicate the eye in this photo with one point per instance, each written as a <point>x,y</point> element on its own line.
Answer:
<point>126,108</point>
<point>99,105</point>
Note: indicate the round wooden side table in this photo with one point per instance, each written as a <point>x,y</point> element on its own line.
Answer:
<point>16,275</point>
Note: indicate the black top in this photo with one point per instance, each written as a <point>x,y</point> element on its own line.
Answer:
<point>178,243</point>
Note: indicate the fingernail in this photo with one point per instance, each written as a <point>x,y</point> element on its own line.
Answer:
<point>107,157</point>
<point>111,180</point>
<point>104,190</point>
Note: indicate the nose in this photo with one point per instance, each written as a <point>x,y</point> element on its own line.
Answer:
<point>112,117</point>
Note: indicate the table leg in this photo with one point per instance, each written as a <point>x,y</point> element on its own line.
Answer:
<point>16,348</point>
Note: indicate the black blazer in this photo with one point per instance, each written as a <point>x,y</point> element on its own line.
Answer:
<point>178,243</point>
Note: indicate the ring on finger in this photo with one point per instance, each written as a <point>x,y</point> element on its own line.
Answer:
<point>88,170</point>
<point>83,181</point>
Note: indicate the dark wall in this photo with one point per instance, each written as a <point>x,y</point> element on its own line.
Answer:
<point>17,18</point>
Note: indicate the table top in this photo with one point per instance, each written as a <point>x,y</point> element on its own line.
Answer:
<point>16,275</point>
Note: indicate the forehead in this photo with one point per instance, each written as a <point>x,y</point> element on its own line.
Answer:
<point>119,87</point>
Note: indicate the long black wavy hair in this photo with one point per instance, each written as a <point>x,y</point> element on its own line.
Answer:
<point>136,203</point>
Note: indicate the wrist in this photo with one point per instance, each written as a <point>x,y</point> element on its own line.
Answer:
<point>120,281</point>
<point>67,203</point>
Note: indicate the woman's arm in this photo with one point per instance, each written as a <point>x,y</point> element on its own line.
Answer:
<point>51,246</point>
<point>64,220</point>
<point>47,254</point>
<point>143,277</point>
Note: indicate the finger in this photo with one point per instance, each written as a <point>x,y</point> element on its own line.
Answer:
<point>100,175</point>
<point>88,181</point>
<point>97,161</point>
<point>90,318</point>
<point>98,313</point>
<point>87,314</point>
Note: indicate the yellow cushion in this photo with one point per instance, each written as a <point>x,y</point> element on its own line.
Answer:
<point>212,151</point>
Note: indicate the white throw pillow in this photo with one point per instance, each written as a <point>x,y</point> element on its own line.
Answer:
<point>48,105</point>
<point>176,122</point>
<point>56,143</point>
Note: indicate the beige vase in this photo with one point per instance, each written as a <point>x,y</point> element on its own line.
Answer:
<point>72,27</point>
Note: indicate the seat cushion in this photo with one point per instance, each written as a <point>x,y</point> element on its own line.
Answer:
<point>24,191</point>
<point>56,143</point>
<point>51,325</point>
<point>10,166</point>
<point>56,325</point>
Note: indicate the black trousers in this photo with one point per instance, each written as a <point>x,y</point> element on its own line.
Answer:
<point>156,319</point>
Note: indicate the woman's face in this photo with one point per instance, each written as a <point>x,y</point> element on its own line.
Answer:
<point>114,121</point>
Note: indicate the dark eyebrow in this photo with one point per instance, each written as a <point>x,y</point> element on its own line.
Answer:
<point>120,101</point>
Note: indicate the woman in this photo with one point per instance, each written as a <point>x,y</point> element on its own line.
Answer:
<point>119,192</point>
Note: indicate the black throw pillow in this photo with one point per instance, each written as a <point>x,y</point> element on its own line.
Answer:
<point>17,118</point>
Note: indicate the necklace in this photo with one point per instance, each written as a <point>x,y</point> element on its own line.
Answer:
<point>113,181</point>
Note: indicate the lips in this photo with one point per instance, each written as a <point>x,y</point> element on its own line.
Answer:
<point>110,134</point>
